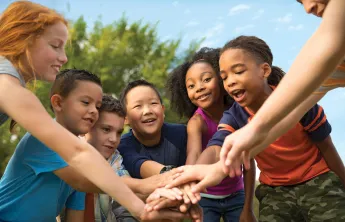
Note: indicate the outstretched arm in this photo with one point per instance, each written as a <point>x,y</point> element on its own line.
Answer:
<point>24,107</point>
<point>316,61</point>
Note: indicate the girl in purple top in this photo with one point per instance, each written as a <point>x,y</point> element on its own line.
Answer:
<point>196,92</point>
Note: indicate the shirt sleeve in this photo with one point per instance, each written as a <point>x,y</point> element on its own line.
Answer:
<point>76,201</point>
<point>40,158</point>
<point>132,160</point>
<point>315,124</point>
<point>117,165</point>
<point>227,125</point>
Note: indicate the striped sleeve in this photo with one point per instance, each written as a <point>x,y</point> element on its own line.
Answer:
<point>227,125</point>
<point>315,124</point>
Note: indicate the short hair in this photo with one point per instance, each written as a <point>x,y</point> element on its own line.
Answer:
<point>134,84</point>
<point>113,105</point>
<point>67,79</point>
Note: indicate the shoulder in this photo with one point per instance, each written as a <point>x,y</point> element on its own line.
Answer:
<point>171,128</point>
<point>6,67</point>
<point>196,123</point>
<point>127,142</point>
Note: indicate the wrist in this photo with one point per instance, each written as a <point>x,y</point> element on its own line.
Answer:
<point>166,169</point>
<point>137,209</point>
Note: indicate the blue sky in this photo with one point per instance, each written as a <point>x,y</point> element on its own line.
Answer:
<point>283,24</point>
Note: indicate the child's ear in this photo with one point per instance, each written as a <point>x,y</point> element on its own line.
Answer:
<point>126,121</point>
<point>163,107</point>
<point>266,69</point>
<point>56,102</point>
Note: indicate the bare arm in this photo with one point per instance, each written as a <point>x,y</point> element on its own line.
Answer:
<point>74,215</point>
<point>332,158</point>
<point>24,107</point>
<point>150,168</point>
<point>210,155</point>
<point>249,184</point>
<point>194,143</point>
<point>315,62</point>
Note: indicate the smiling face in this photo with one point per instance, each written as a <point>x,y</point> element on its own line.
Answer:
<point>244,79</point>
<point>106,134</point>
<point>48,52</point>
<point>315,7</point>
<point>145,112</point>
<point>78,112</point>
<point>202,85</point>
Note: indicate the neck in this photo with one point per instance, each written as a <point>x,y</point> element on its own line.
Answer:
<point>215,112</point>
<point>59,119</point>
<point>260,99</point>
<point>148,140</point>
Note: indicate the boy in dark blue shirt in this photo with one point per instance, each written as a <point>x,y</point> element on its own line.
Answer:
<point>152,146</point>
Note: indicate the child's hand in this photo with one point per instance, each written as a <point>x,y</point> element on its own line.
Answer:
<point>161,203</point>
<point>171,194</point>
<point>188,195</point>
<point>247,216</point>
<point>208,175</point>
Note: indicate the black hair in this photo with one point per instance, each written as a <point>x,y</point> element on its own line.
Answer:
<point>260,51</point>
<point>132,85</point>
<point>111,104</point>
<point>67,79</point>
<point>176,84</point>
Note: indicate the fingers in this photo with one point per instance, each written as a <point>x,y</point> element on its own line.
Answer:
<point>189,196</point>
<point>163,214</point>
<point>196,213</point>
<point>246,159</point>
<point>201,186</point>
<point>184,207</point>
<point>185,177</point>
<point>165,203</point>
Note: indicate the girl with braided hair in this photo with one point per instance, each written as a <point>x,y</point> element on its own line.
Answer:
<point>300,179</point>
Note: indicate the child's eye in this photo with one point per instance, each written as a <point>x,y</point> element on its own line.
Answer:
<point>240,72</point>
<point>190,86</point>
<point>154,103</point>
<point>106,130</point>
<point>136,107</point>
<point>207,79</point>
<point>85,102</point>
<point>55,47</point>
<point>223,78</point>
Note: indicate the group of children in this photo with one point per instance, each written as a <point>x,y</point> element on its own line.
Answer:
<point>54,172</point>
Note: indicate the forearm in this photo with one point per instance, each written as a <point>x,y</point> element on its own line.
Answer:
<point>249,185</point>
<point>315,62</point>
<point>287,123</point>
<point>192,158</point>
<point>209,156</point>
<point>332,158</point>
<point>150,168</point>
<point>133,184</point>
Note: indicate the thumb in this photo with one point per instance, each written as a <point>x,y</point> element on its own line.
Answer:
<point>201,186</point>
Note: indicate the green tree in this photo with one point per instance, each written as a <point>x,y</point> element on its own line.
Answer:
<point>119,52</point>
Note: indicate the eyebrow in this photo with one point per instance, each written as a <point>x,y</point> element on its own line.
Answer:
<point>234,67</point>
<point>202,75</point>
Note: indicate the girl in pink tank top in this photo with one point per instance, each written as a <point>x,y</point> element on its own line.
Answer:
<point>197,92</point>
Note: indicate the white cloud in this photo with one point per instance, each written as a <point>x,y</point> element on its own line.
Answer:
<point>220,18</point>
<point>243,28</point>
<point>258,14</point>
<point>187,11</point>
<point>175,3</point>
<point>210,43</point>
<point>238,9</point>
<point>192,23</point>
<point>285,19</point>
<point>216,30</point>
<point>296,27</point>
